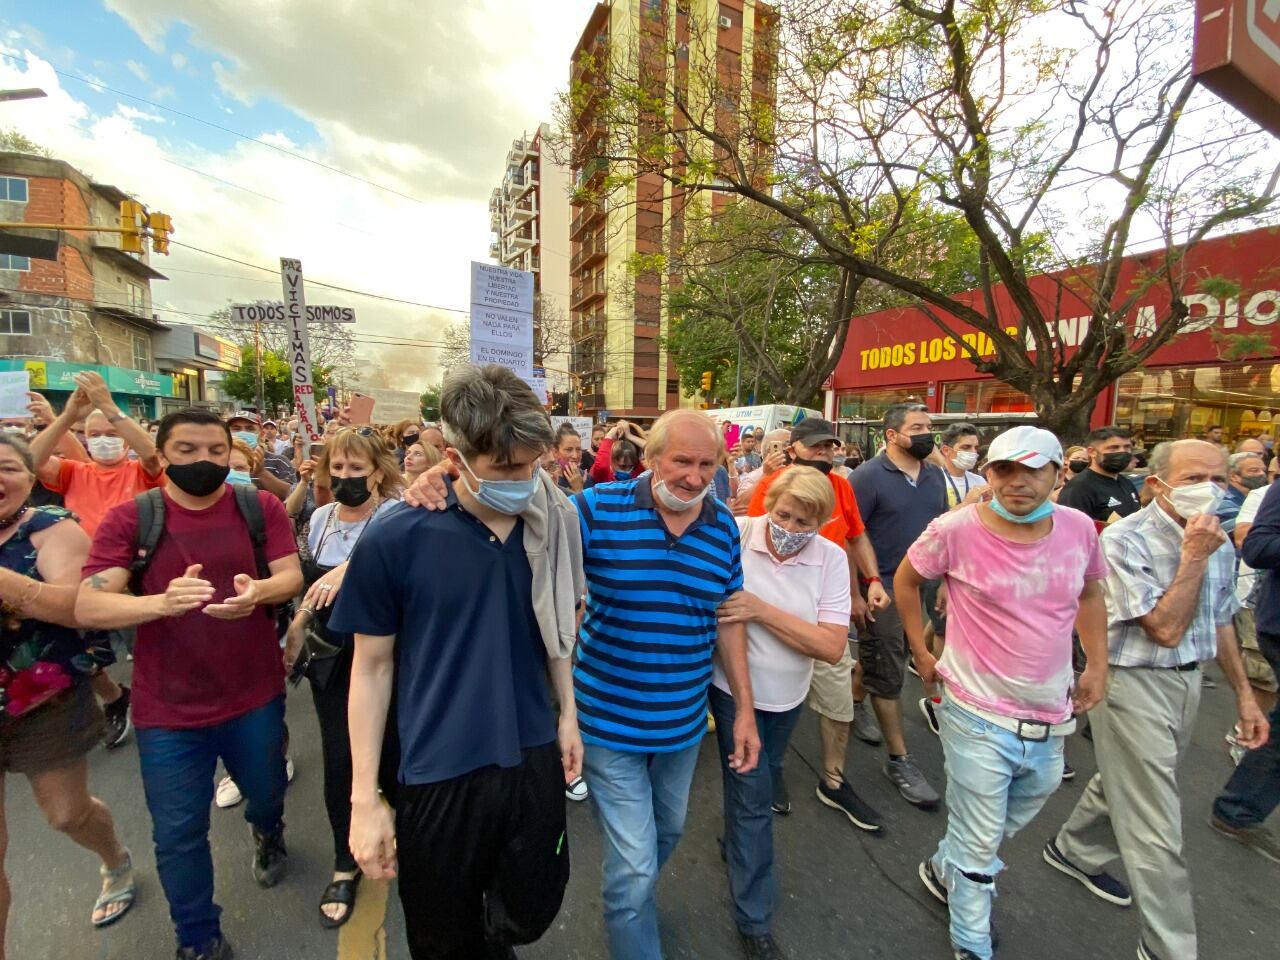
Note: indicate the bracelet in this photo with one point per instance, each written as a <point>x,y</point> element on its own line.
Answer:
<point>117,418</point>
<point>870,580</point>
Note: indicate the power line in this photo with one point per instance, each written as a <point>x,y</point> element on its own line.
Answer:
<point>218,126</point>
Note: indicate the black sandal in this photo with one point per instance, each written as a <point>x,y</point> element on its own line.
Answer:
<point>341,892</point>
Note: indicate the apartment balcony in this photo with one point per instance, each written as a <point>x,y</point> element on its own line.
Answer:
<point>521,241</point>
<point>524,208</point>
<point>591,251</point>
<point>589,215</point>
<point>521,150</point>
<point>495,250</point>
<point>587,326</point>
<point>588,292</point>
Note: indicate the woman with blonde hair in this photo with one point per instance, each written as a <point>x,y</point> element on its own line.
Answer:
<point>418,459</point>
<point>796,603</point>
<point>362,472</point>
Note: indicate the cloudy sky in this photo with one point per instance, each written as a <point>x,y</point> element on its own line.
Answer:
<point>360,137</point>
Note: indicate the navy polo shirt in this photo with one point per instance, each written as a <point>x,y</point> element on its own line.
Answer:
<point>644,652</point>
<point>471,677</point>
<point>894,509</point>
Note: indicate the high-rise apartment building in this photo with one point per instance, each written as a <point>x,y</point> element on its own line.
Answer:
<point>618,313</point>
<point>529,218</point>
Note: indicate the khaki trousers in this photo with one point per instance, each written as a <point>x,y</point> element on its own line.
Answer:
<point>1131,809</point>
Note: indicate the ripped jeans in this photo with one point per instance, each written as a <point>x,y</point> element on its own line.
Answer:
<point>996,783</point>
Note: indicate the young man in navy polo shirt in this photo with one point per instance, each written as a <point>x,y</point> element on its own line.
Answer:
<point>443,605</point>
<point>899,492</point>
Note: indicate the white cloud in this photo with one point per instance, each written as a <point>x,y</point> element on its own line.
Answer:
<point>138,70</point>
<point>178,59</point>
<point>131,113</point>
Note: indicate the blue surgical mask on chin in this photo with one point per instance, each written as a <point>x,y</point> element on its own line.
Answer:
<point>510,497</point>
<point>1039,513</point>
<point>622,474</point>
<point>248,437</point>
<point>239,476</point>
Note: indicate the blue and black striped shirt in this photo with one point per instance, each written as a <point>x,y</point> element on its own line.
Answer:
<point>644,656</point>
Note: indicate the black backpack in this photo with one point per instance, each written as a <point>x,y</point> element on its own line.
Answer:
<point>151,528</point>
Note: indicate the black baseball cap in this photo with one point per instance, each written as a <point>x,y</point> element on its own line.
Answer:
<point>813,431</point>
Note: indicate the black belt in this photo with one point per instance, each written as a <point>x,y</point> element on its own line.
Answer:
<point>1184,667</point>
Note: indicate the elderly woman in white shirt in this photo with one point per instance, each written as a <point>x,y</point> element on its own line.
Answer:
<point>795,602</point>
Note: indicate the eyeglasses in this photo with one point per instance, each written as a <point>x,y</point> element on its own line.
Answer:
<point>360,431</point>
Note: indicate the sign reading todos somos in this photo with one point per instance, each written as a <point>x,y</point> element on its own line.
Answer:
<point>295,307</point>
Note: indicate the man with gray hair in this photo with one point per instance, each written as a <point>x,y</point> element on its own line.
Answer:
<point>465,612</point>
<point>1170,599</point>
<point>1245,472</point>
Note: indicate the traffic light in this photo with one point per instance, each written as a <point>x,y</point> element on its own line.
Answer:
<point>161,225</point>
<point>707,379</point>
<point>132,218</point>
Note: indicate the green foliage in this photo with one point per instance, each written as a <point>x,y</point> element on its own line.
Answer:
<point>277,380</point>
<point>430,403</point>
<point>18,142</point>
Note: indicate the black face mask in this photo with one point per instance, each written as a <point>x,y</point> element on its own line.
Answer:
<point>1115,462</point>
<point>921,445</point>
<point>852,462</point>
<point>350,491</point>
<point>410,439</point>
<point>1077,466</point>
<point>198,479</point>
<point>821,465</point>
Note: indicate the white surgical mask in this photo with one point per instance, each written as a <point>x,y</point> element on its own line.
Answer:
<point>672,502</point>
<point>106,449</point>
<point>1204,497</point>
<point>965,459</point>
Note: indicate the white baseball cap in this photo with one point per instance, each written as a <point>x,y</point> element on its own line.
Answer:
<point>1027,445</point>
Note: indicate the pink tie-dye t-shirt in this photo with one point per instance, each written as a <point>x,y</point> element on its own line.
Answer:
<point>1010,609</point>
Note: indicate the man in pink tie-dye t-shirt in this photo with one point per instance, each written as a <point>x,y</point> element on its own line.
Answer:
<point>1019,571</point>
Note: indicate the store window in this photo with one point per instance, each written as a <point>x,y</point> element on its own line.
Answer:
<point>984,396</point>
<point>1242,398</point>
<point>871,404</point>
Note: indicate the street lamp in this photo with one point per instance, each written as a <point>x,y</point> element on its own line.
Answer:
<point>27,93</point>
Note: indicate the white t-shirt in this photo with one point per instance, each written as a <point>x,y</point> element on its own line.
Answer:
<point>812,585</point>
<point>1245,574</point>
<point>331,540</point>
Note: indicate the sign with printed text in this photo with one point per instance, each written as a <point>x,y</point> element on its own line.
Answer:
<point>516,358</point>
<point>14,385</point>
<point>295,306</point>
<point>501,287</point>
<point>267,312</point>
<point>1237,55</point>
<point>392,406</point>
<point>502,327</point>
<point>539,387</point>
<point>581,424</point>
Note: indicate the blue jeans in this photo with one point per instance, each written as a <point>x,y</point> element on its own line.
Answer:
<point>1254,789</point>
<point>996,782</point>
<point>177,776</point>
<point>641,800</point>
<point>748,821</point>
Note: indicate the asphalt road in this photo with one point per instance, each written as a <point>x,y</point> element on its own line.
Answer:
<point>843,893</point>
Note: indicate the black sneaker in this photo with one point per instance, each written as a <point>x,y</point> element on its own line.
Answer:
<point>929,708</point>
<point>850,804</point>
<point>760,947</point>
<point>220,949</point>
<point>962,954</point>
<point>270,858</point>
<point>781,804</point>
<point>1068,771</point>
<point>118,723</point>
<point>1258,839</point>
<point>932,882</point>
<point>1101,885</point>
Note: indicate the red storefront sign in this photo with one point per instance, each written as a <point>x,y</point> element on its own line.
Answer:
<point>903,346</point>
<point>1237,55</point>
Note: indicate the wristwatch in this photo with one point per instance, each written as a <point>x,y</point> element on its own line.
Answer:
<point>117,418</point>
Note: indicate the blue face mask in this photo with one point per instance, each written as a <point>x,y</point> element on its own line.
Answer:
<point>250,438</point>
<point>1039,513</point>
<point>622,474</point>
<point>510,497</point>
<point>239,476</point>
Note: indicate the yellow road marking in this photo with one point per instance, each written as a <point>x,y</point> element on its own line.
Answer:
<point>364,936</point>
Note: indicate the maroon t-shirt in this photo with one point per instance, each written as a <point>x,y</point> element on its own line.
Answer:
<point>195,670</point>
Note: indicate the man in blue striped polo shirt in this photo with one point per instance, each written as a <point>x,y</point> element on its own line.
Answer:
<point>660,556</point>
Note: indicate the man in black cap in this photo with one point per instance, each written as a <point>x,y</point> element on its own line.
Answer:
<point>814,444</point>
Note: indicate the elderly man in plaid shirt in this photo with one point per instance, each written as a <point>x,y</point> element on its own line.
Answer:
<point>1170,600</point>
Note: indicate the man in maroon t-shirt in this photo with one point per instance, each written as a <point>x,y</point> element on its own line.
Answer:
<point>208,678</point>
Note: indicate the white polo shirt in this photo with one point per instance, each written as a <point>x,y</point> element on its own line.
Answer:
<point>812,585</point>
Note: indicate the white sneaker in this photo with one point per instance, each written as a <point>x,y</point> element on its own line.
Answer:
<point>288,769</point>
<point>576,790</point>
<point>227,794</point>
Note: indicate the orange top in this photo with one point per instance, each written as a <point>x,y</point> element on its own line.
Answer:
<point>845,523</point>
<point>90,489</point>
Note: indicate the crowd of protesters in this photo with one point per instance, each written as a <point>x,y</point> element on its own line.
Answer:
<point>496,617</point>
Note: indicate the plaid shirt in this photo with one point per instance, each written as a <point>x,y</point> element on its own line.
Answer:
<point>1143,551</point>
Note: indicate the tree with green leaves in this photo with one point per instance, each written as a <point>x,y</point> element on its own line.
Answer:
<point>1042,136</point>
<point>277,380</point>
<point>430,403</point>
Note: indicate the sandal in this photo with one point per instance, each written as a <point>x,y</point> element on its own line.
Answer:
<point>341,892</point>
<point>117,887</point>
